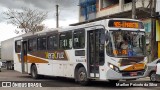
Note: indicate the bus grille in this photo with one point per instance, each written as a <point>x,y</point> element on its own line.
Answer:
<point>131,60</point>
<point>128,74</point>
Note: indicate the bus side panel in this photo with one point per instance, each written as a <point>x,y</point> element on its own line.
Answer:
<point>17,63</point>
<point>44,68</point>
<point>29,68</point>
<point>40,68</point>
<point>102,72</point>
<point>57,69</point>
<point>17,56</point>
<point>68,70</point>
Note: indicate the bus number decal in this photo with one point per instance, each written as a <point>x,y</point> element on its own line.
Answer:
<point>123,52</point>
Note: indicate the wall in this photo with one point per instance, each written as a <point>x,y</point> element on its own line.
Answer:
<point>87,9</point>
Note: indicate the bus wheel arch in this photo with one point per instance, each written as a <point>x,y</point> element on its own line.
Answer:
<point>80,70</point>
<point>152,76</point>
<point>34,72</point>
<point>76,70</point>
<point>31,67</point>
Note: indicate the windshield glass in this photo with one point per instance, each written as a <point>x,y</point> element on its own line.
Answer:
<point>127,43</point>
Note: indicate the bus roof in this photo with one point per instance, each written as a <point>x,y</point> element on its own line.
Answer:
<point>101,18</point>
<point>75,26</point>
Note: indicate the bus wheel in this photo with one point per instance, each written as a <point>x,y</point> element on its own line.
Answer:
<point>34,72</point>
<point>82,76</point>
<point>153,77</point>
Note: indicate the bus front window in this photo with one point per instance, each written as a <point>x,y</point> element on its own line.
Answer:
<point>127,43</point>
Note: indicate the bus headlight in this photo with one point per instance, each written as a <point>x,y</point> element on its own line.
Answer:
<point>111,66</point>
<point>115,68</point>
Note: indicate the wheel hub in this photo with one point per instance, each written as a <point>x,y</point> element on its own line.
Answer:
<point>82,76</point>
<point>153,77</point>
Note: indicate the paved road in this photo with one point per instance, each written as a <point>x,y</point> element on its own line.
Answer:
<point>69,84</point>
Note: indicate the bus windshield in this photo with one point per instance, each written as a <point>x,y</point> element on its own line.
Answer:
<point>127,43</point>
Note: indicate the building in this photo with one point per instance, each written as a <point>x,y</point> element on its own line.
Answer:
<point>92,9</point>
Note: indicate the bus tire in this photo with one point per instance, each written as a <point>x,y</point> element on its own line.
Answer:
<point>82,76</point>
<point>34,72</point>
<point>152,76</point>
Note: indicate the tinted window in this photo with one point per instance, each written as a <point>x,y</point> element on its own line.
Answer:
<point>32,45</point>
<point>18,46</point>
<point>65,40</point>
<point>41,43</point>
<point>53,41</point>
<point>127,1</point>
<point>79,39</point>
<point>108,3</point>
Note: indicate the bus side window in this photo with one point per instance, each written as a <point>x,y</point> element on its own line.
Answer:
<point>18,46</point>
<point>32,45</point>
<point>65,40</point>
<point>79,39</point>
<point>41,43</point>
<point>52,42</point>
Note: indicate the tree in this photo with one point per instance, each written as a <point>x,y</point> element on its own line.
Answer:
<point>29,20</point>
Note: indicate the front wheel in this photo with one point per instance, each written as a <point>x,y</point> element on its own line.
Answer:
<point>34,73</point>
<point>82,76</point>
<point>153,77</point>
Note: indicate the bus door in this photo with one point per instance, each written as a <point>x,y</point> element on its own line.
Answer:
<point>24,57</point>
<point>95,51</point>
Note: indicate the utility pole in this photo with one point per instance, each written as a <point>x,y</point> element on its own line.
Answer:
<point>154,45</point>
<point>57,17</point>
<point>133,9</point>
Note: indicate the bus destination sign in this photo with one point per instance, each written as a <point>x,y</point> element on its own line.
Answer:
<point>125,24</point>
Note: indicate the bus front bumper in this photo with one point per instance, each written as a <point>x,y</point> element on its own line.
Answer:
<point>113,75</point>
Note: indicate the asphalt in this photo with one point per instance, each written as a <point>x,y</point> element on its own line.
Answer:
<point>57,83</point>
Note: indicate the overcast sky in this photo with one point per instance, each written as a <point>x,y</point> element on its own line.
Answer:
<point>68,10</point>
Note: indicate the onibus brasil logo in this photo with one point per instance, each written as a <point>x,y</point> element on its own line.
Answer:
<point>21,84</point>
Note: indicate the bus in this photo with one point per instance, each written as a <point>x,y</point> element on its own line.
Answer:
<point>106,50</point>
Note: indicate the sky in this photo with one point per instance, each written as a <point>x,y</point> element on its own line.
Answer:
<point>68,13</point>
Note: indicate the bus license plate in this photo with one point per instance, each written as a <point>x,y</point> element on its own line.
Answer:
<point>133,73</point>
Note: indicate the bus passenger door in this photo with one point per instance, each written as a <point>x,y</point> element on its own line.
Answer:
<point>24,57</point>
<point>95,51</point>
